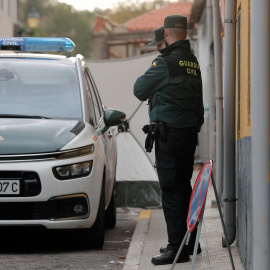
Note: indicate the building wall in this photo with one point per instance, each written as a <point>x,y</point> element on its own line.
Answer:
<point>201,49</point>
<point>243,110</point>
<point>116,44</point>
<point>7,17</point>
<point>100,48</point>
<point>198,48</point>
<point>243,134</point>
<point>244,138</point>
<point>244,205</point>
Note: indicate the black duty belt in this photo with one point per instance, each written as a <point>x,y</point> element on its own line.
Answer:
<point>178,129</point>
<point>172,129</point>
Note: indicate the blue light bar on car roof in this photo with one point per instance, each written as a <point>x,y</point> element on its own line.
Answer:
<point>36,44</point>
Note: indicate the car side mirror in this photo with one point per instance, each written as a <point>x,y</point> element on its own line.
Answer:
<point>112,118</point>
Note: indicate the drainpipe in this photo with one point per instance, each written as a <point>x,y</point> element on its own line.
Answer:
<point>219,96</point>
<point>209,77</point>
<point>260,85</point>
<point>229,121</point>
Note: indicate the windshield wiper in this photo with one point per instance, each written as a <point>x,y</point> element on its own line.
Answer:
<point>23,116</point>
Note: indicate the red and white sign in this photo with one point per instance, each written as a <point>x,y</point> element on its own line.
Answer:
<point>198,195</point>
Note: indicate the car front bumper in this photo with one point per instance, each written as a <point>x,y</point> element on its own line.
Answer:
<point>59,204</point>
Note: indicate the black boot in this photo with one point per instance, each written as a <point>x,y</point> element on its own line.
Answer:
<point>168,255</point>
<point>190,249</point>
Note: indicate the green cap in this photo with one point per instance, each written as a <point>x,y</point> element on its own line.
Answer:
<point>175,21</point>
<point>159,36</point>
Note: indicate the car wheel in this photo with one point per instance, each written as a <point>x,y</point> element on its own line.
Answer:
<point>110,215</point>
<point>94,237</point>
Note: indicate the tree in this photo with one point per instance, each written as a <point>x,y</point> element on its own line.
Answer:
<point>59,20</point>
<point>65,21</point>
<point>43,7</point>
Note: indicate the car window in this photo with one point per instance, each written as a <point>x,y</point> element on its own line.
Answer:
<point>96,102</point>
<point>91,111</point>
<point>41,87</point>
<point>95,90</point>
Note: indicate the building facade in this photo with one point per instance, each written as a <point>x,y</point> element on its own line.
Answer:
<point>113,41</point>
<point>8,17</point>
<point>242,42</point>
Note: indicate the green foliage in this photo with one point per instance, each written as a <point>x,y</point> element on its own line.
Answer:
<point>76,25</point>
<point>43,7</point>
<point>59,20</point>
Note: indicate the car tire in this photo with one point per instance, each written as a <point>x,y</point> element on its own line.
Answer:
<point>110,215</point>
<point>94,237</point>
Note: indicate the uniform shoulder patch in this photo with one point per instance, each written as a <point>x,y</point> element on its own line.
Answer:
<point>154,64</point>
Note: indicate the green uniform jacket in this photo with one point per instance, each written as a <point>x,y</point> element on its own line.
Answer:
<point>175,81</point>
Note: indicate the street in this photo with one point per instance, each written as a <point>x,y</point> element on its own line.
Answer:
<point>29,249</point>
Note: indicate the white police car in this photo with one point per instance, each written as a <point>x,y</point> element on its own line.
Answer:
<point>57,148</point>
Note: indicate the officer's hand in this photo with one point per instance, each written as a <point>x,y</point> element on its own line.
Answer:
<point>149,99</point>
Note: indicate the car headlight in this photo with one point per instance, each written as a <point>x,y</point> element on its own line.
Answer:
<point>73,170</point>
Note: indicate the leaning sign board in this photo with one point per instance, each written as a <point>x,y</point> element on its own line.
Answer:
<point>198,195</point>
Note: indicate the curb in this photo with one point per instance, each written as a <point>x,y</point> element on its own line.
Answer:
<point>138,241</point>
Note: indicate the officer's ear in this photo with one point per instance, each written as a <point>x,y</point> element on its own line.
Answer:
<point>165,32</point>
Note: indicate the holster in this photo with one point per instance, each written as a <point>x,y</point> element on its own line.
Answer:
<point>154,131</point>
<point>150,130</point>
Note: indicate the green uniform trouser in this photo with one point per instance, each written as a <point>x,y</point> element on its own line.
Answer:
<point>174,161</point>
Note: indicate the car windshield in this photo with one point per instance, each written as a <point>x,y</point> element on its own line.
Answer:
<point>39,88</point>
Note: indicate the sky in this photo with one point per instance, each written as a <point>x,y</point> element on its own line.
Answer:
<point>92,4</point>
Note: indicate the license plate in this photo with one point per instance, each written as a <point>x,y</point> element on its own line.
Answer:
<point>9,187</point>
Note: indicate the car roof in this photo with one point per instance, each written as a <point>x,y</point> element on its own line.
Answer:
<point>37,56</point>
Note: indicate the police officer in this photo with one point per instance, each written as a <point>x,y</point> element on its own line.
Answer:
<point>174,80</point>
<point>159,40</point>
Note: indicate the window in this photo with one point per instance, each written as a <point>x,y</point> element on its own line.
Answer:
<point>95,91</point>
<point>94,98</point>
<point>39,87</point>
<point>91,112</point>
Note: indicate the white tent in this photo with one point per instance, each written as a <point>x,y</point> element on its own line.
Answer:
<point>136,179</point>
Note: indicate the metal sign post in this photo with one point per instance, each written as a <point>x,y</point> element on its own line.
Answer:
<point>197,240</point>
<point>180,249</point>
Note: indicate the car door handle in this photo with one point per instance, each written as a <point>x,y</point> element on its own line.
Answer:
<point>110,134</point>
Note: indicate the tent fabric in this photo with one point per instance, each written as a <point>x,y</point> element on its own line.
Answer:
<point>115,80</point>
<point>132,163</point>
<point>136,179</point>
<point>143,194</point>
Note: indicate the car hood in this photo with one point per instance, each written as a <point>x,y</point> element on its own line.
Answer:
<point>30,136</point>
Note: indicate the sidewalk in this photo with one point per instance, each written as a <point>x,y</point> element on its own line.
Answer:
<point>150,234</point>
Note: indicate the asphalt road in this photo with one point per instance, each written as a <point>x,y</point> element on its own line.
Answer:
<point>24,249</point>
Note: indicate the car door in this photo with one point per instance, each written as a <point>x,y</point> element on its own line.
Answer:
<point>108,138</point>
